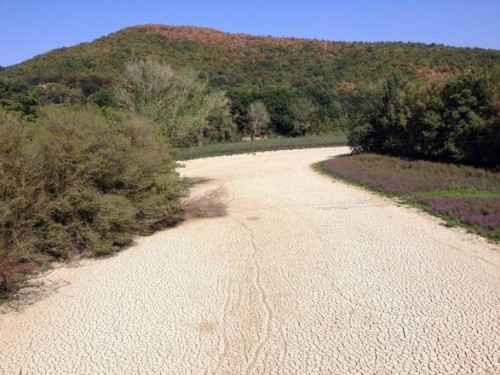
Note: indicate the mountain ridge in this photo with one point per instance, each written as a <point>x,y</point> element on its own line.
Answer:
<point>236,43</point>
<point>210,36</point>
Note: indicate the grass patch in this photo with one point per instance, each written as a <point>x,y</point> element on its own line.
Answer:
<point>459,193</point>
<point>462,195</point>
<point>270,144</point>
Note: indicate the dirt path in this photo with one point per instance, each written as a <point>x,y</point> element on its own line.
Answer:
<point>302,275</point>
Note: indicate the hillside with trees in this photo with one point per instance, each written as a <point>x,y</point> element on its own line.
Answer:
<point>307,86</point>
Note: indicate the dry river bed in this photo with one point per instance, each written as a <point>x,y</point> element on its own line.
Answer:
<point>300,275</point>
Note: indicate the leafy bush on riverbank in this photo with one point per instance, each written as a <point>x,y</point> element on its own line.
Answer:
<point>79,181</point>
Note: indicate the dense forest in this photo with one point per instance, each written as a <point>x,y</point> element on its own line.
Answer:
<point>306,86</point>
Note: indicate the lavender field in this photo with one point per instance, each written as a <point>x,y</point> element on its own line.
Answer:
<point>465,195</point>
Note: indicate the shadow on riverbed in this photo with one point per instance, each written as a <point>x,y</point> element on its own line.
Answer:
<point>37,287</point>
<point>209,205</point>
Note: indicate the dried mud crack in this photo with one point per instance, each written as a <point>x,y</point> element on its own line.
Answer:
<point>278,270</point>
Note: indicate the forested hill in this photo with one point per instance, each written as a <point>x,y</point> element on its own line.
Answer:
<point>247,67</point>
<point>233,60</point>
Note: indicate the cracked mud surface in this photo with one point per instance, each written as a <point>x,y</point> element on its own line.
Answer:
<point>303,275</point>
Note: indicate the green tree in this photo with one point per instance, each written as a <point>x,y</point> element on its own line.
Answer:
<point>447,118</point>
<point>25,103</point>
<point>376,123</point>
<point>304,113</point>
<point>181,103</point>
<point>259,118</point>
<point>465,108</point>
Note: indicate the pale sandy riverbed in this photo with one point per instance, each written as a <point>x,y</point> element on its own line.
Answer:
<point>303,275</point>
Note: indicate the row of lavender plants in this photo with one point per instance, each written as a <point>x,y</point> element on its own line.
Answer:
<point>459,193</point>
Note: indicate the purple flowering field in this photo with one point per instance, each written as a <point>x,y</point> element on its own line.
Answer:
<point>478,211</point>
<point>469,195</point>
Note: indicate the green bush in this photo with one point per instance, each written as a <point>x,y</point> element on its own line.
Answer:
<point>79,181</point>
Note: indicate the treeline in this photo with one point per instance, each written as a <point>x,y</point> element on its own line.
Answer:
<point>291,112</point>
<point>443,118</point>
<point>188,109</point>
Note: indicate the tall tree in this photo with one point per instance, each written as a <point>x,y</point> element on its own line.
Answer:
<point>259,118</point>
<point>180,102</point>
<point>304,111</point>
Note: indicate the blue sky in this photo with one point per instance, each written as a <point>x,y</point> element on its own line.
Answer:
<point>32,27</point>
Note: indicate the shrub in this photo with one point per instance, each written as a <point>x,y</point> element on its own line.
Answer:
<point>79,182</point>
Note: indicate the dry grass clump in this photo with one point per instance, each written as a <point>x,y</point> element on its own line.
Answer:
<point>79,182</point>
